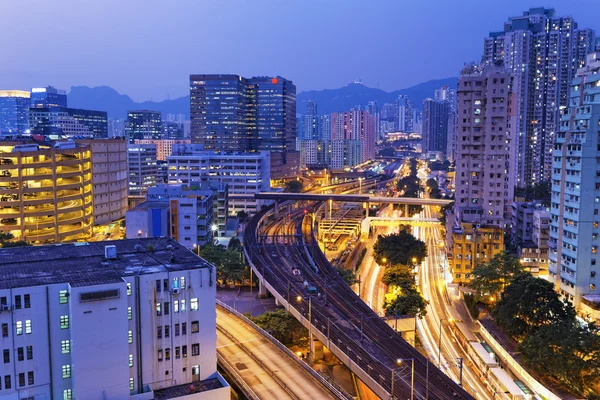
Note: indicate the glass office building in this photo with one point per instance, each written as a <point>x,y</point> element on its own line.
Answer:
<point>14,111</point>
<point>144,124</point>
<point>47,97</point>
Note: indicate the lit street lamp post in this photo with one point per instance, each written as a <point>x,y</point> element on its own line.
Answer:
<point>412,377</point>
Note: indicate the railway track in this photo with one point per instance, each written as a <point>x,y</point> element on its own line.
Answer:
<point>337,312</point>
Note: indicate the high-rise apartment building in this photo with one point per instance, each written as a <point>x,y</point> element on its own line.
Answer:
<point>484,184</point>
<point>14,111</point>
<point>436,115</point>
<point>404,117</point>
<point>543,52</point>
<point>233,113</point>
<point>144,124</point>
<point>357,125</point>
<point>143,170</point>
<point>125,319</point>
<point>311,122</point>
<point>172,130</point>
<point>315,153</point>
<point>575,217</point>
<point>325,127</point>
<point>48,97</point>
<point>373,109</point>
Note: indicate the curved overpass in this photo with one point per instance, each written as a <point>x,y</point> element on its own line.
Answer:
<point>336,317</point>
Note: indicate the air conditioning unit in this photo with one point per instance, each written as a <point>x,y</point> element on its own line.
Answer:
<point>176,290</point>
<point>5,307</point>
<point>110,252</point>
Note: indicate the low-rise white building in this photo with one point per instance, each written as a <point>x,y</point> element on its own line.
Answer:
<point>245,173</point>
<point>127,319</point>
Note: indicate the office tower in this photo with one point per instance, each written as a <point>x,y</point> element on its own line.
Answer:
<point>233,113</point>
<point>373,109</point>
<point>311,122</point>
<point>116,127</point>
<point>484,182</point>
<point>109,178</point>
<point>325,127</point>
<point>14,111</point>
<point>48,97</point>
<point>574,242</point>
<point>107,320</point>
<point>172,130</point>
<point>449,95</point>
<point>543,52</point>
<point>143,124</point>
<point>436,115</point>
<point>71,122</point>
<point>63,211</point>
<point>244,173</point>
<point>299,128</point>
<point>141,161</point>
<point>164,147</point>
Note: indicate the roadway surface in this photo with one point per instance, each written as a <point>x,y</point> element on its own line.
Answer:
<point>261,364</point>
<point>338,312</point>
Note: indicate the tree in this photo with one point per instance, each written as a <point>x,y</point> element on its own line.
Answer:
<point>347,275</point>
<point>229,263</point>
<point>234,244</point>
<point>399,248</point>
<point>399,275</point>
<point>281,325</point>
<point>242,215</point>
<point>529,303</point>
<point>20,243</point>
<point>405,302</point>
<point>444,211</point>
<point>489,279</point>
<point>5,237</point>
<point>293,186</point>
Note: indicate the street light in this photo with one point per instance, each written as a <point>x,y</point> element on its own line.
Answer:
<point>400,361</point>
<point>360,185</point>
<point>310,344</point>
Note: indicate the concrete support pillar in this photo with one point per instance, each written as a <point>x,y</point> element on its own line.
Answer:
<point>277,302</point>
<point>406,211</point>
<point>276,209</point>
<point>316,349</point>
<point>262,289</point>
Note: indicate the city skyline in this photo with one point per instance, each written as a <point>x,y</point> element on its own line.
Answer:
<point>178,28</point>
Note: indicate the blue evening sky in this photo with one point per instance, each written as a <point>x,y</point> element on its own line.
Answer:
<point>147,48</point>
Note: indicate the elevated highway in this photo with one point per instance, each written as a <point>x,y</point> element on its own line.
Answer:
<point>335,315</point>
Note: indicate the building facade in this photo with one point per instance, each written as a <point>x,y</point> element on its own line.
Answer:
<point>48,97</point>
<point>125,319</point>
<point>574,242</point>
<point>46,192</point>
<point>436,115</point>
<point>144,124</point>
<point>68,122</point>
<point>164,147</point>
<point>142,166</point>
<point>542,51</point>
<point>244,173</point>
<point>14,111</point>
<point>233,113</point>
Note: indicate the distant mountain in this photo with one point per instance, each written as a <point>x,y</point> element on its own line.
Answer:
<point>104,98</point>
<point>344,98</point>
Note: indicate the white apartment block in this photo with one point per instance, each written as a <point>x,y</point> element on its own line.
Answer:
<point>574,243</point>
<point>245,173</point>
<point>128,319</point>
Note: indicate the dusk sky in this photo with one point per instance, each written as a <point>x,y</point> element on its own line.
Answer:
<point>148,48</point>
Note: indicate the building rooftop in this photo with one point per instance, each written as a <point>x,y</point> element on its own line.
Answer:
<point>187,389</point>
<point>84,264</point>
<point>147,205</point>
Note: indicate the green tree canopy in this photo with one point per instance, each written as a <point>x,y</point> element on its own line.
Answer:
<point>490,278</point>
<point>230,267</point>
<point>399,275</point>
<point>406,302</point>
<point>529,303</point>
<point>280,324</point>
<point>347,275</point>
<point>399,248</point>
